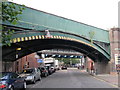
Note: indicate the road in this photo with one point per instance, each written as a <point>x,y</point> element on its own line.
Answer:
<point>71,78</point>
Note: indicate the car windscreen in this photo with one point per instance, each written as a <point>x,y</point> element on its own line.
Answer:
<point>42,68</point>
<point>28,71</point>
<point>4,75</point>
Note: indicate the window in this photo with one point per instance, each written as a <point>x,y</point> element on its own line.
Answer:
<point>13,76</point>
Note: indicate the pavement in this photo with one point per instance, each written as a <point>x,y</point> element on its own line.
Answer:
<point>113,79</point>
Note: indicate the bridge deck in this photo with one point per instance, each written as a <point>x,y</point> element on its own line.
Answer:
<point>39,20</point>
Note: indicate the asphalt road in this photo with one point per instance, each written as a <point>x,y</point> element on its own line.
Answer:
<point>71,78</point>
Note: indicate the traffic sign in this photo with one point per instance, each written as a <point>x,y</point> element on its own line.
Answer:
<point>40,60</point>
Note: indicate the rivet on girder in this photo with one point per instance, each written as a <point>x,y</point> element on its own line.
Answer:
<point>33,37</point>
<point>18,39</point>
<point>39,37</point>
<point>57,37</point>
<point>14,40</point>
<point>26,38</point>
<point>54,36</point>
<point>22,39</point>
<point>62,37</point>
<point>36,37</point>
<point>30,38</point>
<point>43,37</point>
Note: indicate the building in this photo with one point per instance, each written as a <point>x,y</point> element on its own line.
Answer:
<point>115,48</point>
<point>28,61</point>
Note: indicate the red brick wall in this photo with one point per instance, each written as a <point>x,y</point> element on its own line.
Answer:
<point>114,44</point>
<point>30,60</point>
<point>89,62</point>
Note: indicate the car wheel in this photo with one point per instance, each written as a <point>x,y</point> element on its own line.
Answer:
<point>24,85</point>
<point>11,88</point>
<point>39,78</point>
<point>45,74</point>
<point>34,81</point>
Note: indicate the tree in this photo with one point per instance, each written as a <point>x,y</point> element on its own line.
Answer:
<point>10,12</point>
<point>67,60</point>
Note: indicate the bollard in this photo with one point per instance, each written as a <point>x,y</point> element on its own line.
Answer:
<point>87,69</point>
<point>96,73</point>
<point>118,72</point>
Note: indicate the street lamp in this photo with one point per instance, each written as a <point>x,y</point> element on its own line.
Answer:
<point>17,49</point>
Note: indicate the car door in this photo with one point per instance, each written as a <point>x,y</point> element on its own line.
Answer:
<point>17,81</point>
<point>39,73</point>
<point>13,78</point>
<point>35,73</point>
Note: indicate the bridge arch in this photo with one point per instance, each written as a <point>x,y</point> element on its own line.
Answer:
<point>33,41</point>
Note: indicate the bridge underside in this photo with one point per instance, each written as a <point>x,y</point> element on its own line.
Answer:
<point>32,41</point>
<point>28,47</point>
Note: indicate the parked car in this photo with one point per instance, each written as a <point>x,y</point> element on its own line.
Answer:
<point>44,71</point>
<point>64,67</point>
<point>31,74</point>
<point>57,67</point>
<point>49,69</point>
<point>11,81</point>
<point>53,69</point>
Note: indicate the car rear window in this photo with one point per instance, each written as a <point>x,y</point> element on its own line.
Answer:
<point>28,71</point>
<point>42,68</point>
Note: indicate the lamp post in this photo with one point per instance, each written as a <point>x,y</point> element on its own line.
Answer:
<point>36,57</point>
<point>17,49</point>
<point>16,64</point>
<point>70,62</point>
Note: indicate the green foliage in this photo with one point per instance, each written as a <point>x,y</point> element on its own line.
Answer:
<point>7,36</point>
<point>68,60</point>
<point>10,12</point>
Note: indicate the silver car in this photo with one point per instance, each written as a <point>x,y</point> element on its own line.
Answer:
<point>31,75</point>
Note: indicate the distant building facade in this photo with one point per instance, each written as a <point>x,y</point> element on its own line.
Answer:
<point>115,48</point>
<point>28,61</point>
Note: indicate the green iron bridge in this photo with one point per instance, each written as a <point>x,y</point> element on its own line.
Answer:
<point>31,35</point>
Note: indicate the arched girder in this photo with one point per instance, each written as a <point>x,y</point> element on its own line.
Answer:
<point>30,36</point>
<point>31,46</point>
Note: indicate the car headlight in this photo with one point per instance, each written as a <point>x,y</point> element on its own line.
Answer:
<point>30,77</point>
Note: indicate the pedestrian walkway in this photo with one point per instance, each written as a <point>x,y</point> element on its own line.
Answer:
<point>113,79</point>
